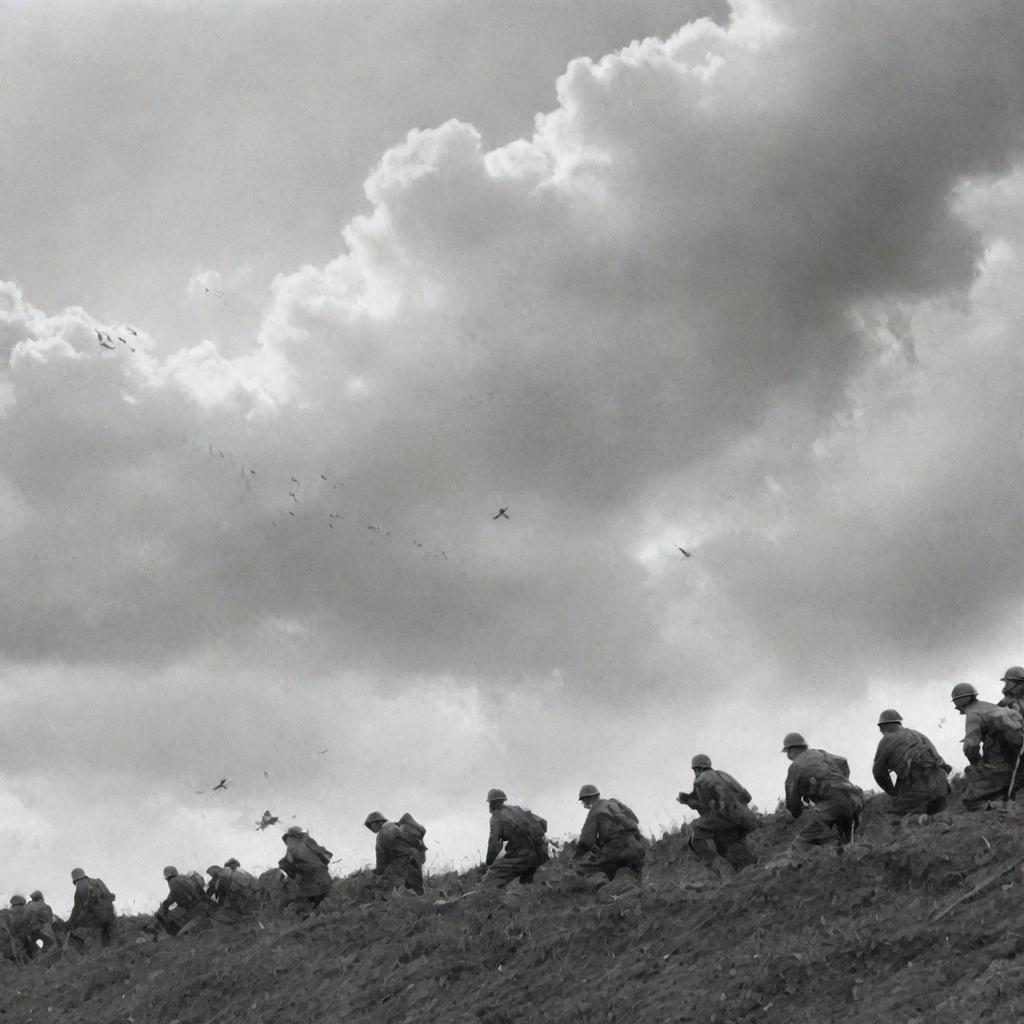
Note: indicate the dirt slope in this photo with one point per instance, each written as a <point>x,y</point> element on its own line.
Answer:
<point>838,938</point>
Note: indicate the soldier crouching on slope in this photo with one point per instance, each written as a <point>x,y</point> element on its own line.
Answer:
<point>305,863</point>
<point>725,819</point>
<point>400,851</point>
<point>93,910</point>
<point>44,925</point>
<point>818,784</point>
<point>523,836</point>
<point>921,775</point>
<point>993,737</point>
<point>610,839</point>
<point>184,905</point>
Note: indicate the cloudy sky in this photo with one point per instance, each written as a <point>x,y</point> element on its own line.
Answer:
<point>294,297</point>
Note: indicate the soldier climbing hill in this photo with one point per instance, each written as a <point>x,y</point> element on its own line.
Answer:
<point>922,782</point>
<point>523,835</point>
<point>818,786</point>
<point>400,851</point>
<point>725,819</point>
<point>610,839</point>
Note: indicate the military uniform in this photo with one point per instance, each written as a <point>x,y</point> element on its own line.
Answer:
<point>400,854</point>
<point>185,902</point>
<point>991,759</point>
<point>309,880</point>
<point>922,784</point>
<point>42,922</point>
<point>610,840</point>
<point>93,911</point>
<point>725,820</point>
<point>511,829</point>
<point>822,780</point>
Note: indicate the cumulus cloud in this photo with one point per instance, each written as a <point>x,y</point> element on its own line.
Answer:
<point>748,289</point>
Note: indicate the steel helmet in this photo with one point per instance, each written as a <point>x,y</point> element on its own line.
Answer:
<point>889,715</point>
<point>295,830</point>
<point>962,690</point>
<point>214,870</point>
<point>372,817</point>
<point>37,895</point>
<point>1014,674</point>
<point>77,874</point>
<point>17,901</point>
<point>495,794</point>
<point>793,739</point>
<point>231,862</point>
<point>170,871</point>
<point>700,761</point>
<point>589,790</point>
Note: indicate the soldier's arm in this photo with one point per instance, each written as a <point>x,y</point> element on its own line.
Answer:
<point>494,841</point>
<point>972,738</point>
<point>793,802</point>
<point>588,834</point>
<point>880,770</point>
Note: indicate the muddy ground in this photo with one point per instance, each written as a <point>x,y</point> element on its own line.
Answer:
<point>855,937</point>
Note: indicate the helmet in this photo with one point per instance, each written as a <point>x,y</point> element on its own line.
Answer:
<point>17,901</point>
<point>372,817</point>
<point>495,794</point>
<point>232,862</point>
<point>700,761</point>
<point>962,690</point>
<point>889,715</point>
<point>1014,674</point>
<point>36,895</point>
<point>170,871</point>
<point>295,830</point>
<point>214,870</point>
<point>793,739</point>
<point>77,874</point>
<point>589,790</point>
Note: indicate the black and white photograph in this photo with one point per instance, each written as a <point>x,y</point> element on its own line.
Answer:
<point>511,511</point>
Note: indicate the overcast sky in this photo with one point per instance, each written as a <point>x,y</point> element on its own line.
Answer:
<point>749,287</point>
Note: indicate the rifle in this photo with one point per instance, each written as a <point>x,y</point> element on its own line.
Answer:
<point>1013,777</point>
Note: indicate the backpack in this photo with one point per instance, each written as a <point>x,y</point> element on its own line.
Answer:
<point>99,895</point>
<point>413,833</point>
<point>532,829</point>
<point>622,816</point>
<point>1006,726</point>
<point>322,852</point>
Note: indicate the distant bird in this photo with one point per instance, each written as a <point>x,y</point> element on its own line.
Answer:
<point>292,495</point>
<point>502,513</point>
<point>223,784</point>
<point>294,480</point>
<point>291,513</point>
<point>686,554</point>
<point>324,751</point>
<point>266,821</point>
<point>103,344</point>
<point>322,477</point>
<point>210,291</point>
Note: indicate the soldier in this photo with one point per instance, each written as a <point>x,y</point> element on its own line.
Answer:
<point>400,851</point>
<point>725,819</point>
<point>19,926</point>
<point>305,863</point>
<point>992,743</point>
<point>523,835</point>
<point>93,910</point>
<point>610,839</point>
<point>921,775</point>
<point>233,890</point>
<point>1013,688</point>
<point>43,921</point>
<point>185,903</point>
<point>821,780</point>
